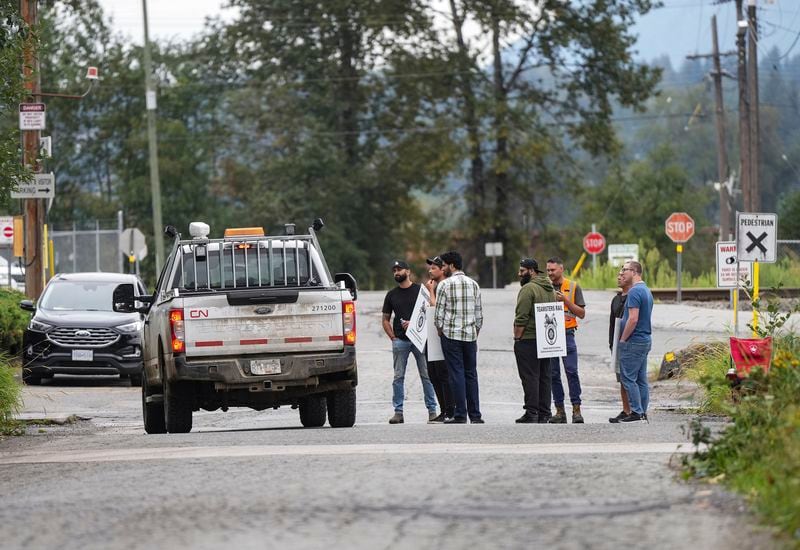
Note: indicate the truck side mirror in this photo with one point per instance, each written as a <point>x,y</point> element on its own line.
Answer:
<point>349,283</point>
<point>27,305</point>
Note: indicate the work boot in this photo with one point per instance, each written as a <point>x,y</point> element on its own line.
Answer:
<point>577,418</point>
<point>396,419</point>
<point>560,417</point>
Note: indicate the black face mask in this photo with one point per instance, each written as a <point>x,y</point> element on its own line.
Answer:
<point>525,279</point>
<point>400,277</point>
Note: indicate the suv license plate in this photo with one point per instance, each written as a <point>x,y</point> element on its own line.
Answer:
<point>82,355</point>
<point>265,366</point>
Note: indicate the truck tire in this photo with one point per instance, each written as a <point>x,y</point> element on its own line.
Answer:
<point>152,412</point>
<point>313,411</point>
<point>342,408</point>
<point>177,407</point>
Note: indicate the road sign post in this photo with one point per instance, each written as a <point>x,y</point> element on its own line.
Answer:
<point>679,227</point>
<point>133,245</point>
<point>493,250</point>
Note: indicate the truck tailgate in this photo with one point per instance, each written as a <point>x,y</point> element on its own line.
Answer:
<point>245,322</point>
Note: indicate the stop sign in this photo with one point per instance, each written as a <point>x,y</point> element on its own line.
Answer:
<point>679,227</point>
<point>594,243</point>
<point>6,230</point>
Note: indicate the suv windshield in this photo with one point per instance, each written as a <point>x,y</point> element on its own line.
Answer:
<point>79,296</point>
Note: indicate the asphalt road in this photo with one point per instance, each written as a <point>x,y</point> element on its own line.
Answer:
<point>246,479</point>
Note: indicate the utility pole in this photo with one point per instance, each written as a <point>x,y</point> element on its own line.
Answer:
<point>33,208</point>
<point>752,96</point>
<point>722,152</point>
<point>744,109</point>
<point>155,183</point>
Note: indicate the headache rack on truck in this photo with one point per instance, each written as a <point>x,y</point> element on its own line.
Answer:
<point>246,258</point>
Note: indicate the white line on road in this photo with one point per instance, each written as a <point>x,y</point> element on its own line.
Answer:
<point>236,451</point>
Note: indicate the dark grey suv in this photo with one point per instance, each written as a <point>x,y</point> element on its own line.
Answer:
<point>75,331</point>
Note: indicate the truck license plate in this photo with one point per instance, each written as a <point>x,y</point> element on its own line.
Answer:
<point>82,355</point>
<point>265,366</point>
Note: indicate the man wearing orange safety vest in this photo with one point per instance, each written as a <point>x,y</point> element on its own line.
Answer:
<point>574,308</point>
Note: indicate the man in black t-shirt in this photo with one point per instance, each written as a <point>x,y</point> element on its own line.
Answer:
<point>400,302</point>
<point>617,310</point>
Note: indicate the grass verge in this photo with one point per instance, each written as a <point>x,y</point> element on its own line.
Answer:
<point>10,400</point>
<point>758,454</point>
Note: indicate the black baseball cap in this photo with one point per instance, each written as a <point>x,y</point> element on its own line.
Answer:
<point>400,264</point>
<point>530,263</point>
<point>436,260</point>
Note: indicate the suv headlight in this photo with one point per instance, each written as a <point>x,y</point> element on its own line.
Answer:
<point>38,326</point>
<point>130,328</point>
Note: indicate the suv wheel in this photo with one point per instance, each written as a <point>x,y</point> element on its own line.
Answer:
<point>313,411</point>
<point>152,407</point>
<point>29,379</point>
<point>136,379</point>
<point>342,408</point>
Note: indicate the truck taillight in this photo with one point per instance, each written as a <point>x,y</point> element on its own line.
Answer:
<point>177,330</point>
<point>349,322</point>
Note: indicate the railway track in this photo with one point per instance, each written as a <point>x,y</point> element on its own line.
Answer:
<point>717,294</point>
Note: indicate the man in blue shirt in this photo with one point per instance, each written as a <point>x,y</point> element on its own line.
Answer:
<point>635,342</point>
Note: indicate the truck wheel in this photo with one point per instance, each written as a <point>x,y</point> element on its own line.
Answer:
<point>342,408</point>
<point>177,407</point>
<point>312,411</point>
<point>152,412</point>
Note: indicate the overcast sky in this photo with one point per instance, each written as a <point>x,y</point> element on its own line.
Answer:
<point>680,28</point>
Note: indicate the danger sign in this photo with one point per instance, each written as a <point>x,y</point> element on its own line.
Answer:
<point>31,116</point>
<point>6,230</point>
<point>726,267</point>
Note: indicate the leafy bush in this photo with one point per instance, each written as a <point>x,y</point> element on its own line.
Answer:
<point>13,321</point>
<point>757,455</point>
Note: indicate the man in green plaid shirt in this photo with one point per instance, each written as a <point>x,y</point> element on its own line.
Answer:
<point>458,318</point>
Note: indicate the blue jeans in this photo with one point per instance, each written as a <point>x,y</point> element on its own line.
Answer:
<point>462,358</point>
<point>633,372</point>
<point>570,361</point>
<point>400,351</point>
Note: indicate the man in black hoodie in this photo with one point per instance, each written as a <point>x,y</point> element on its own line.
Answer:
<point>534,372</point>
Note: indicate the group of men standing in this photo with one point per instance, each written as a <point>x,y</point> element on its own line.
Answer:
<point>458,319</point>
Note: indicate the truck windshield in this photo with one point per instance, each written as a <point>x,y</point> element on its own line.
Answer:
<point>78,296</point>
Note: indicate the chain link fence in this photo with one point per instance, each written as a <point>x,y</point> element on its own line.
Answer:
<point>92,246</point>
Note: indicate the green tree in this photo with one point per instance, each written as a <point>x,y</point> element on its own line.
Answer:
<point>327,126</point>
<point>635,202</point>
<point>15,36</point>
<point>545,86</point>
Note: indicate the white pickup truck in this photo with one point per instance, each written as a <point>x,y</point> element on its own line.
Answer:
<point>246,321</point>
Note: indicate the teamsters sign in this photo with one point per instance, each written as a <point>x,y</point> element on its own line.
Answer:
<point>551,338</point>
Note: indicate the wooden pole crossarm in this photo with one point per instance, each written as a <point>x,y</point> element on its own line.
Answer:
<point>69,96</point>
